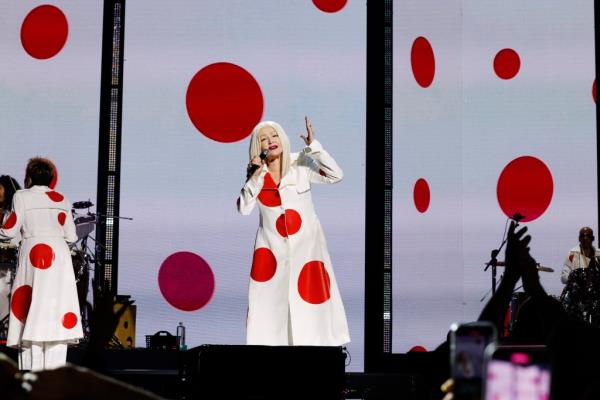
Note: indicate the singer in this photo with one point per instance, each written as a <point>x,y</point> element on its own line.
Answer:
<point>582,255</point>
<point>44,316</point>
<point>293,295</point>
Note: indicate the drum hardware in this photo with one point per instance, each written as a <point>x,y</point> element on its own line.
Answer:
<point>581,296</point>
<point>82,204</point>
<point>539,267</point>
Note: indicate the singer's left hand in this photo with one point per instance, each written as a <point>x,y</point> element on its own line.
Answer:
<point>310,134</point>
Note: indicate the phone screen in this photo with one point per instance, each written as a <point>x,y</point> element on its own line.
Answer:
<point>517,373</point>
<point>469,342</point>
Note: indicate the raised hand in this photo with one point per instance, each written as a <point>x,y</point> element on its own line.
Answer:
<point>310,134</point>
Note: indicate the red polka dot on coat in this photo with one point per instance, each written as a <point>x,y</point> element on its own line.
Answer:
<point>288,223</point>
<point>44,32</point>
<point>313,283</point>
<point>571,257</point>
<point>422,61</point>
<point>41,256</point>
<point>525,186</point>
<point>11,221</point>
<point>507,64</point>
<point>62,217</point>
<point>330,6</point>
<point>69,320</point>
<point>55,196</point>
<point>20,302</point>
<point>264,265</point>
<point>322,173</point>
<point>269,194</point>
<point>186,281</point>
<point>224,102</point>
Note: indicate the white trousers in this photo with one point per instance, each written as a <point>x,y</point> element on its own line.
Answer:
<point>43,355</point>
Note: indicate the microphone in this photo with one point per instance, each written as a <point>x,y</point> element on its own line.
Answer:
<point>253,167</point>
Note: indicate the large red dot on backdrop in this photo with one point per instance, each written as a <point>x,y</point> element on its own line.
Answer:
<point>41,256</point>
<point>422,61</point>
<point>313,283</point>
<point>330,6</point>
<point>54,182</point>
<point>186,281</point>
<point>20,302</point>
<point>224,102</point>
<point>264,265</point>
<point>44,32</point>
<point>525,186</point>
<point>421,195</point>
<point>507,63</point>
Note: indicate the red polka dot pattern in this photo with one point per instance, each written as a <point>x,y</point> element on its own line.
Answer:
<point>69,320</point>
<point>525,186</point>
<point>264,265</point>
<point>41,256</point>
<point>11,221</point>
<point>322,173</point>
<point>422,61</point>
<point>44,32</point>
<point>20,302</point>
<point>224,102</point>
<point>571,256</point>
<point>288,223</point>
<point>507,63</point>
<point>54,182</point>
<point>62,217</point>
<point>313,283</point>
<point>269,194</point>
<point>186,281</point>
<point>421,195</point>
<point>55,196</point>
<point>330,6</point>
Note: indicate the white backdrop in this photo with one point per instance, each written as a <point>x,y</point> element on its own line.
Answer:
<point>459,130</point>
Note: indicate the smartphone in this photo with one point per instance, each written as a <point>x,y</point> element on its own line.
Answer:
<point>467,355</point>
<point>517,373</point>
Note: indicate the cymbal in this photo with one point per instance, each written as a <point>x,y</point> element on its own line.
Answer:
<point>540,268</point>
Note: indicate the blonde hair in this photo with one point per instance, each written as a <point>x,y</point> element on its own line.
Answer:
<point>254,150</point>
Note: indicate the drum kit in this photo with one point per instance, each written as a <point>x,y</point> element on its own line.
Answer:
<point>581,295</point>
<point>82,256</point>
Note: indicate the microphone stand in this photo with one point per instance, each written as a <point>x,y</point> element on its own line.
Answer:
<point>494,256</point>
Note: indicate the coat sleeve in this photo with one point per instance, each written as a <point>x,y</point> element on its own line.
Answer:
<point>249,193</point>
<point>322,167</point>
<point>568,267</point>
<point>12,225</point>
<point>69,227</point>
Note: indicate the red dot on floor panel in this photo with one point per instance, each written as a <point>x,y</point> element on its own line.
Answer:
<point>69,320</point>
<point>44,32</point>
<point>330,6</point>
<point>421,195</point>
<point>525,186</point>
<point>55,196</point>
<point>507,63</point>
<point>264,265</point>
<point>20,302</point>
<point>224,102</point>
<point>62,217</point>
<point>417,349</point>
<point>186,281</point>
<point>422,61</point>
<point>41,256</point>
<point>269,195</point>
<point>313,283</point>
<point>11,221</point>
<point>288,223</point>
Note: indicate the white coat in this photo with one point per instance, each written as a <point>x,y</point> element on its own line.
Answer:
<point>44,305</point>
<point>293,295</point>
